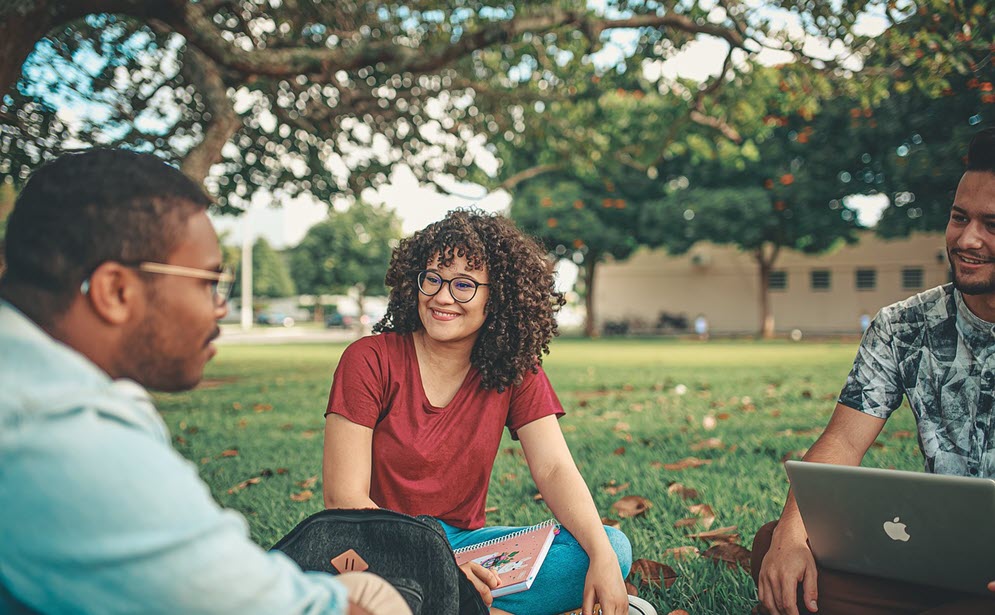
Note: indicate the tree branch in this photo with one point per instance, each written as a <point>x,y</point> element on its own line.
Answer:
<point>522,176</point>
<point>200,71</point>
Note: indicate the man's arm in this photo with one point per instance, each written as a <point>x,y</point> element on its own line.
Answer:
<point>789,561</point>
<point>101,517</point>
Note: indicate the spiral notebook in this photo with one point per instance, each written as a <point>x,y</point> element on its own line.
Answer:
<point>515,558</point>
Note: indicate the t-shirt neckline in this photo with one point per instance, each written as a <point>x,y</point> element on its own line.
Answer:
<point>426,404</point>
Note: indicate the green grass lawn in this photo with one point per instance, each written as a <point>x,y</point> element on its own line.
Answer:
<point>626,418</point>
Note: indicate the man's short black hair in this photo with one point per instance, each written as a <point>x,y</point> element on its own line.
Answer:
<point>85,208</point>
<point>981,151</point>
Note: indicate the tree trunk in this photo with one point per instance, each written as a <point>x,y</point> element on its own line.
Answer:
<point>224,123</point>
<point>361,327</point>
<point>589,265</point>
<point>20,29</point>
<point>765,262</point>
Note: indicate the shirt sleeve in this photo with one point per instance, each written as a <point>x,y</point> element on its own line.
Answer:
<point>874,384</point>
<point>357,386</point>
<point>533,399</point>
<point>100,517</point>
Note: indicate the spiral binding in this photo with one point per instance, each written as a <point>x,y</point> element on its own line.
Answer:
<point>494,541</point>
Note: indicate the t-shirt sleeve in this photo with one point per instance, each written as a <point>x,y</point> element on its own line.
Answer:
<point>533,399</point>
<point>357,386</point>
<point>874,384</point>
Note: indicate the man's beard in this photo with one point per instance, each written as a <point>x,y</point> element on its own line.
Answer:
<point>981,287</point>
<point>155,364</point>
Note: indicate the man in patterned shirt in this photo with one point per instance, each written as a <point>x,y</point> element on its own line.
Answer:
<point>937,349</point>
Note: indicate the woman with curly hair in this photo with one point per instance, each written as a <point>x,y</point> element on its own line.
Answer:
<point>415,415</point>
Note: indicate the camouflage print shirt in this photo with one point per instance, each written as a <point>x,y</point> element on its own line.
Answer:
<point>933,350</point>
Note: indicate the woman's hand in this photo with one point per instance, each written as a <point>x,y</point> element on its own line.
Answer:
<point>604,585</point>
<point>483,580</point>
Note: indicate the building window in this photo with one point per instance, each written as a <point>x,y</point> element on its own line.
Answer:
<point>866,279</point>
<point>821,279</point>
<point>777,280</point>
<point>912,278</point>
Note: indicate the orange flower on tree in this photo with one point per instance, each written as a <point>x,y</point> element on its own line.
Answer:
<point>787,179</point>
<point>552,223</point>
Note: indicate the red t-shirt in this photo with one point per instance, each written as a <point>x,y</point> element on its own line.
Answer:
<point>429,460</point>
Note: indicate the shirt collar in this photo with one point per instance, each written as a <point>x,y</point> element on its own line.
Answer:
<point>970,325</point>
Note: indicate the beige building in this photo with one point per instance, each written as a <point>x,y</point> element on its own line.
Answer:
<point>821,294</point>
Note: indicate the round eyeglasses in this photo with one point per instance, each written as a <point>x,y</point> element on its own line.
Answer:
<point>463,290</point>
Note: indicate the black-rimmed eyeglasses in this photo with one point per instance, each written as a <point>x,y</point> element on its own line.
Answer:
<point>221,281</point>
<point>463,290</point>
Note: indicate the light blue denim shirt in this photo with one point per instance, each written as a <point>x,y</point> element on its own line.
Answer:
<point>98,513</point>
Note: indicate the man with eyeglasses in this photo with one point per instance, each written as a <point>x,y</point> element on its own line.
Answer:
<point>114,283</point>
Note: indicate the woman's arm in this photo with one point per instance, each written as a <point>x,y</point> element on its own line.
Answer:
<point>565,492</point>
<point>347,464</point>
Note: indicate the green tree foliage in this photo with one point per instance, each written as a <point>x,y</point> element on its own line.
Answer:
<point>349,250</point>
<point>270,272</point>
<point>582,222</point>
<point>323,97</point>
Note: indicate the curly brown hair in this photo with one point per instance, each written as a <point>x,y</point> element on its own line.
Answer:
<point>520,311</point>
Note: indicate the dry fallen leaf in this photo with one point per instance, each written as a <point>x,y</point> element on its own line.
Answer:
<point>798,454</point>
<point>537,497</point>
<point>686,493</point>
<point>631,506</point>
<point>688,522</point>
<point>705,513</point>
<point>687,462</point>
<point>901,433</point>
<point>262,407</point>
<point>255,480</point>
<point>490,509</point>
<point>612,489</point>
<point>308,482</point>
<point>678,612</point>
<point>610,522</point>
<point>722,534</point>
<point>303,496</point>
<point>653,573</point>
<point>681,552</point>
<point>631,589</point>
<point>621,426</point>
<point>282,470</point>
<point>709,444</point>
<point>232,452</point>
<point>732,554</point>
<point>723,416</point>
<point>619,451</point>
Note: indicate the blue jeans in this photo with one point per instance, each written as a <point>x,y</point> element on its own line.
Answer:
<point>559,586</point>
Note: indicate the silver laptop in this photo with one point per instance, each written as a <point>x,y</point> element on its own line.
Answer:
<point>909,526</point>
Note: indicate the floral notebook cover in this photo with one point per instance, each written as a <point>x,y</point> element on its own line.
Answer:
<point>515,558</point>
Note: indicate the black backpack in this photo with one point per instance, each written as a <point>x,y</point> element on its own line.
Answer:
<point>411,553</point>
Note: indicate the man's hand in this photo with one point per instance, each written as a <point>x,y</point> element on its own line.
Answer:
<point>991,586</point>
<point>788,562</point>
<point>483,580</point>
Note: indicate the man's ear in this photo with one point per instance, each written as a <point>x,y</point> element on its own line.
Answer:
<point>115,293</point>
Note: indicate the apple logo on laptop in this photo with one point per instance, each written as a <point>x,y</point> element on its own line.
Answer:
<point>896,530</point>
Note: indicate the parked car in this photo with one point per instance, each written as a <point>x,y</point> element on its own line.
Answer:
<point>275,318</point>
<point>335,320</point>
